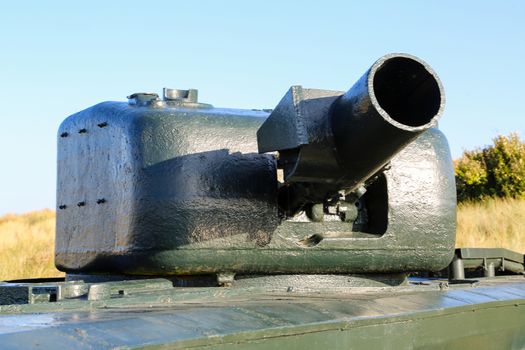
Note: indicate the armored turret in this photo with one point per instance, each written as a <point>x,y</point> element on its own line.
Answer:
<point>328,182</point>
<point>325,223</point>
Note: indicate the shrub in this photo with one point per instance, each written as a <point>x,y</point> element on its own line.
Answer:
<point>496,171</point>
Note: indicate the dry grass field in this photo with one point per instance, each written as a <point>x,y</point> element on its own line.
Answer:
<point>26,241</point>
<point>27,244</point>
<point>492,223</point>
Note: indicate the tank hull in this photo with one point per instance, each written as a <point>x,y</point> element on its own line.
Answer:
<point>421,313</point>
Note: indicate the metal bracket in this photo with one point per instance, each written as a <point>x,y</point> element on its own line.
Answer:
<point>225,279</point>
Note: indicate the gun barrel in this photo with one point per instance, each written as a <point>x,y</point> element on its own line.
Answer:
<point>329,141</point>
<point>396,100</point>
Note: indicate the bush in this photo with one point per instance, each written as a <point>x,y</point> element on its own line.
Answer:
<point>494,171</point>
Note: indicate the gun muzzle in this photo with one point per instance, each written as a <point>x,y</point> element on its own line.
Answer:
<point>331,142</point>
<point>396,100</point>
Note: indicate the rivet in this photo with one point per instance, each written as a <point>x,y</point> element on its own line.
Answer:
<point>63,206</point>
<point>102,125</point>
<point>82,131</point>
<point>81,204</point>
<point>64,134</point>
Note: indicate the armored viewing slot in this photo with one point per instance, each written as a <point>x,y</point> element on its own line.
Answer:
<point>327,182</point>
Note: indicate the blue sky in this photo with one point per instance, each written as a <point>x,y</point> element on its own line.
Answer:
<point>59,57</point>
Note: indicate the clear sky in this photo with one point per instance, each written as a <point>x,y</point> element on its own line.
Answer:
<point>59,57</point>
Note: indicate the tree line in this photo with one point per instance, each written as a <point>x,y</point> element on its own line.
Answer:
<point>497,170</point>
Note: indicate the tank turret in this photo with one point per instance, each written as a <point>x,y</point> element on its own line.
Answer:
<point>328,182</point>
<point>328,222</point>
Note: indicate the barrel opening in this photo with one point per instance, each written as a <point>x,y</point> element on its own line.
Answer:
<point>407,91</point>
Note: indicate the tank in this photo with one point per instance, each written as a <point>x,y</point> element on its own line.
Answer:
<point>328,221</point>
